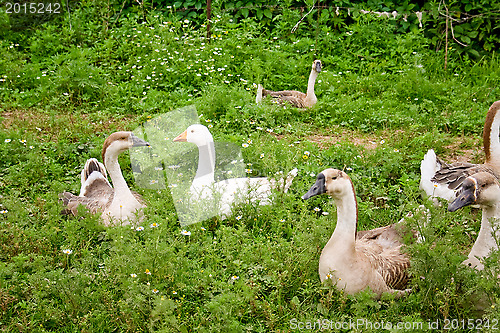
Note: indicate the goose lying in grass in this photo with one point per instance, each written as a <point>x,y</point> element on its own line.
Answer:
<point>439,179</point>
<point>296,98</point>
<point>97,194</point>
<point>481,189</point>
<point>226,191</point>
<point>354,260</point>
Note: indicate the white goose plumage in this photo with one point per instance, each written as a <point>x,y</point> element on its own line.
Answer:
<point>355,260</point>
<point>296,98</point>
<point>439,179</point>
<point>227,191</point>
<point>118,204</point>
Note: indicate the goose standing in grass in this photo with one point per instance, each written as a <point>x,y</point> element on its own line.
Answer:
<point>227,191</point>
<point>353,260</point>
<point>481,189</point>
<point>439,179</point>
<point>296,98</point>
<point>118,204</point>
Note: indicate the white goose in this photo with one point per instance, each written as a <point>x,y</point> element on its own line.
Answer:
<point>296,98</point>
<point>439,179</point>
<point>226,191</point>
<point>118,204</point>
<point>353,260</point>
<point>481,189</point>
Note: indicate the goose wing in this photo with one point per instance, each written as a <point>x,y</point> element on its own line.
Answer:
<point>454,174</point>
<point>97,195</point>
<point>383,248</point>
<point>296,98</point>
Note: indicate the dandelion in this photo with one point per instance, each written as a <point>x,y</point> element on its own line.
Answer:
<point>317,209</point>
<point>238,217</point>
<point>133,275</point>
<point>155,291</point>
<point>67,251</point>
<point>139,228</point>
<point>235,277</point>
<point>245,145</point>
<point>186,233</point>
<point>305,157</point>
<point>154,225</point>
<point>7,140</point>
<point>147,272</point>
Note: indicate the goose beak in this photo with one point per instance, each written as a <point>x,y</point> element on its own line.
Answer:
<point>317,189</point>
<point>181,137</point>
<point>138,142</point>
<point>464,198</point>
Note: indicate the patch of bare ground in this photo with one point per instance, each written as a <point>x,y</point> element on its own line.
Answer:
<point>49,127</point>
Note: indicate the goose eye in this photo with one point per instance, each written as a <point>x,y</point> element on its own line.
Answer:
<point>192,131</point>
<point>334,178</point>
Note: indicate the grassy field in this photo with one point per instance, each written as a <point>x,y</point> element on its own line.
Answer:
<point>384,99</point>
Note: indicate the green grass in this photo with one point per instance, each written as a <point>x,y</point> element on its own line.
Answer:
<point>384,99</point>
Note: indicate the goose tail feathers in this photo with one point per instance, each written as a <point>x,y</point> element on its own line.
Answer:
<point>92,165</point>
<point>428,168</point>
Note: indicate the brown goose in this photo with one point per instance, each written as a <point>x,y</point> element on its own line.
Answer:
<point>296,98</point>
<point>481,189</point>
<point>439,179</point>
<point>354,260</point>
<point>118,204</point>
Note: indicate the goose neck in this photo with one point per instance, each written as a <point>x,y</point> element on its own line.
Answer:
<point>206,163</point>
<point>115,172</point>
<point>491,141</point>
<point>311,82</point>
<point>347,219</point>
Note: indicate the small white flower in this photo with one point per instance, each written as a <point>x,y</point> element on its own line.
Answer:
<point>4,211</point>
<point>155,291</point>
<point>133,275</point>
<point>317,209</point>
<point>154,225</point>
<point>234,277</point>
<point>245,145</point>
<point>325,213</point>
<point>139,228</point>
<point>67,251</point>
<point>282,220</point>
<point>307,153</point>
<point>261,155</point>
<point>239,217</point>
<point>186,233</point>
<point>7,140</point>
<point>382,142</point>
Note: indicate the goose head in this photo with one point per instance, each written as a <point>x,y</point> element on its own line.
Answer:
<point>316,66</point>
<point>118,142</point>
<point>480,189</point>
<point>197,134</point>
<point>333,182</point>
